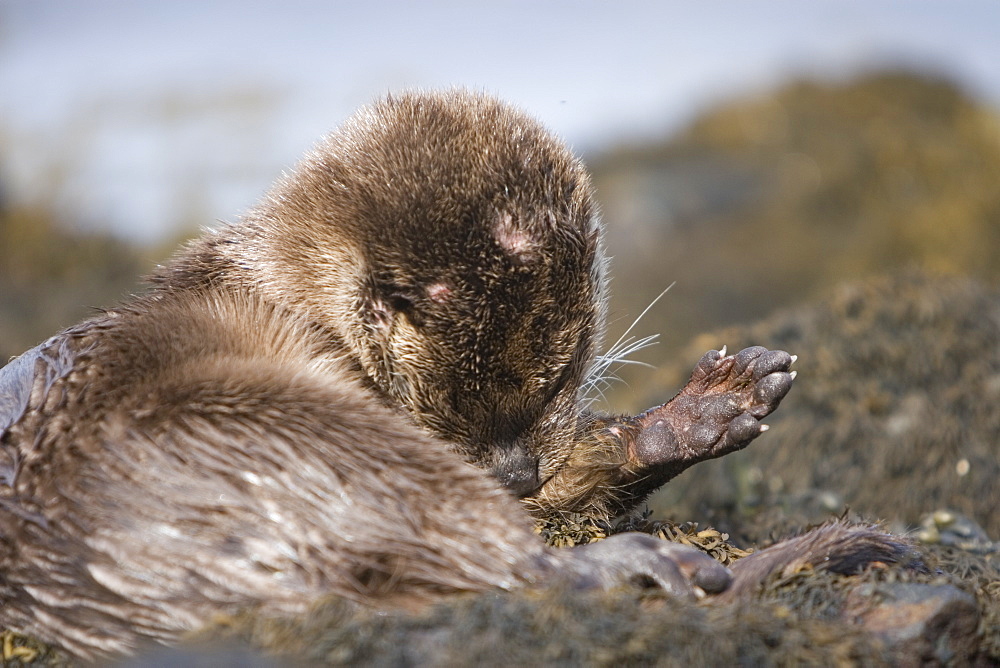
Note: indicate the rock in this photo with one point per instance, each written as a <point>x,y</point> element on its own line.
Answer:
<point>921,623</point>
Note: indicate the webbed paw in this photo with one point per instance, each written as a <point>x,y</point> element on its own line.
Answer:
<point>638,559</point>
<point>619,461</point>
<point>717,412</point>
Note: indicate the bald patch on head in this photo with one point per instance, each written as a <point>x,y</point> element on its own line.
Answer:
<point>439,292</point>
<point>517,242</point>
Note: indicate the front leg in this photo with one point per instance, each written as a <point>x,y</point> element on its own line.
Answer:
<point>717,412</point>
<point>618,461</point>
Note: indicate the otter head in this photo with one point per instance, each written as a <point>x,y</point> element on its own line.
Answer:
<point>454,247</point>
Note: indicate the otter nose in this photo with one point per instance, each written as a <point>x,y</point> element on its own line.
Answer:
<point>517,471</point>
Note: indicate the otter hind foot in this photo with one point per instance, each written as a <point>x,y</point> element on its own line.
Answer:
<point>631,559</point>
<point>717,412</point>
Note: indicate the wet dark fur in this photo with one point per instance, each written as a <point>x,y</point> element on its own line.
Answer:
<point>256,388</point>
<point>278,418</point>
<point>387,239</point>
<point>838,547</point>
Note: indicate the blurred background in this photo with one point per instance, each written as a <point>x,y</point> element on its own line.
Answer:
<point>753,154</point>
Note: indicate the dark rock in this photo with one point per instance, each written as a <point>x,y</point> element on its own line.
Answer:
<point>921,623</point>
<point>894,413</point>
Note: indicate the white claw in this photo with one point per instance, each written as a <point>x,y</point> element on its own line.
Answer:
<point>794,358</point>
<point>764,427</point>
<point>793,374</point>
<point>722,352</point>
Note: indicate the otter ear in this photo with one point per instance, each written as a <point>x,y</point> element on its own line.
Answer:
<point>374,307</point>
<point>378,313</point>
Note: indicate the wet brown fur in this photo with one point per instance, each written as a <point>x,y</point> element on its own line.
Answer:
<point>389,236</point>
<point>259,464</point>
<point>278,418</point>
<point>282,349</point>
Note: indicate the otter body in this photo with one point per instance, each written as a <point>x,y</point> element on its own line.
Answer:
<point>345,393</point>
<point>220,466</point>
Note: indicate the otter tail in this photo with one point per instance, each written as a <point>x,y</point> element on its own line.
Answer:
<point>840,547</point>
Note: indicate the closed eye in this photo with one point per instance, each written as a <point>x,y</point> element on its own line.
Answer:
<point>404,304</point>
<point>400,302</point>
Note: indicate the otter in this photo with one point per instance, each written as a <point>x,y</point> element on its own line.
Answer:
<point>364,387</point>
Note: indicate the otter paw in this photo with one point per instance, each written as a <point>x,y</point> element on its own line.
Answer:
<point>635,559</point>
<point>717,412</point>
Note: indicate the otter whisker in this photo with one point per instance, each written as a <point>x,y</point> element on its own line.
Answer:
<point>618,355</point>
<point>603,376</point>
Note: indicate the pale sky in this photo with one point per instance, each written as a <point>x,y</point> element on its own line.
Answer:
<point>150,112</point>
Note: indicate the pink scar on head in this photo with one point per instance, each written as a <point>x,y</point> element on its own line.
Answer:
<point>439,292</point>
<point>513,239</point>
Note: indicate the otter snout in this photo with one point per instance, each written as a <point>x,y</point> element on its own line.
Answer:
<point>517,471</point>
